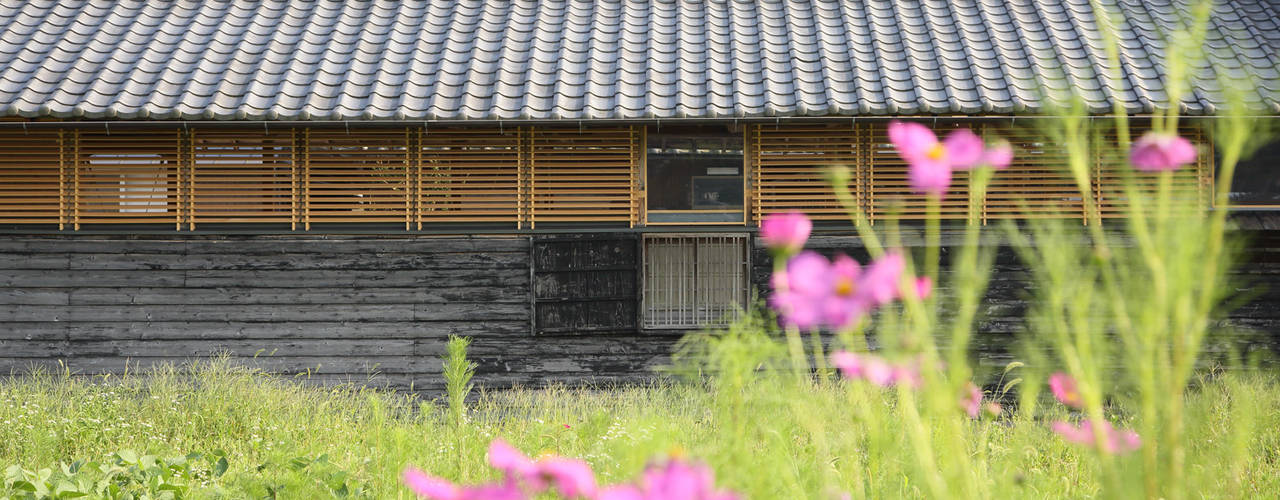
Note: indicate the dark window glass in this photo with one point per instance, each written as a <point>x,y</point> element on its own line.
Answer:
<point>1257,179</point>
<point>694,177</point>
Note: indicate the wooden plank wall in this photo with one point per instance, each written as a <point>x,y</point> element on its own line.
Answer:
<point>341,309</point>
<point>1255,324</point>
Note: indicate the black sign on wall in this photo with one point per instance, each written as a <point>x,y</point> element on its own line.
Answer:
<point>586,283</point>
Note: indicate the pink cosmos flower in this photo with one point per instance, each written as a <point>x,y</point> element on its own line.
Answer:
<point>930,161</point>
<point>1155,151</point>
<point>801,292</point>
<point>1064,388</point>
<point>924,286</point>
<point>997,156</point>
<point>876,370</point>
<point>427,486</point>
<point>993,408</point>
<point>845,305</point>
<point>785,233</point>
<point>674,480</point>
<point>572,478</point>
<point>513,463</point>
<point>964,148</point>
<point>972,400</point>
<point>1114,441</point>
<point>881,279</point>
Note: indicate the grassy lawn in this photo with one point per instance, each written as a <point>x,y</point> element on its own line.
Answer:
<point>765,435</point>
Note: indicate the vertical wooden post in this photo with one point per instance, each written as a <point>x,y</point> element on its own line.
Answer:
<point>871,175</point>
<point>521,192</point>
<point>306,179</point>
<point>409,208</point>
<point>189,159</point>
<point>633,214</point>
<point>74,156</point>
<point>533,191</point>
<point>757,204</point>
<point>63,212</point>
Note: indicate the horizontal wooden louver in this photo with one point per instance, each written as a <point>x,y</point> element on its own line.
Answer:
<point>1038,184</point>
<point>128,177</point>
<point>1188,188</point>
<point>791,165</point>
<point>469,175</point>
<point>888,192</point>
<point>358,175</point>
<point>33,172</point>
<point>584,175</point>
<point>242,175</point>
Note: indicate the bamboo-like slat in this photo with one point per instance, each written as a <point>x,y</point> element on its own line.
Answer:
<point>583,175</point>
<point>242,175</point>
<point>888,192</point>
<point>32,173</point>
<point>790,164</point>
<point>128,178</point>
<point>1038,184</point>
<point>469,175</point>
<point>357,175</point>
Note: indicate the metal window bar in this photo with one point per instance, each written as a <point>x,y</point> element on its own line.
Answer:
<point>693,281</point>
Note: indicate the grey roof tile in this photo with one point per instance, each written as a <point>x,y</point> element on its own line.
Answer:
<point>580,59</point>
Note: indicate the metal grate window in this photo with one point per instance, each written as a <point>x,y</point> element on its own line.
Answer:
<point>693,281</point>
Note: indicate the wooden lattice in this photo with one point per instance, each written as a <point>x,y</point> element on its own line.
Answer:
<point>33,173</point>
<point>1188,184</point>
<point>888,192</point>
<point>242,175</point>
<point>791,163</point>
<point>586,175</point>
<point>357,175</point>
<point>128,177</point>
<point>469,175</point>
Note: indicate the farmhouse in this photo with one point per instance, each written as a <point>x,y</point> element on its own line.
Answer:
<point>333,188</point>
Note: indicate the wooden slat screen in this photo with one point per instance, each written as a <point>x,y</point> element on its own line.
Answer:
<point>242,176</point>
<point>128,177</point>
<point>469,175</point>
<point>1038,184</point>
<point>1190,187</point>
<point>358,175</point>
<point>517,177</point>
<point>584,175</point>
<point>888,192</point>
<point>33,172</point>
<point>791,164</point>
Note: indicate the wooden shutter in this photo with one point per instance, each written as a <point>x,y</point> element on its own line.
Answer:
<point>242,175</point>
<point>1190,187</point>
<point>791,164</point>
<point>585,284</point>
<point>469,175</point>
<point>888,191</point>
<point>128,177</point>
<point>357,175</point>
<point>1038,184</point>
<point>587,175</point>
<point>33,172</point>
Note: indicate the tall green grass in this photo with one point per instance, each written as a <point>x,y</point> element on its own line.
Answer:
<point>765,435</point>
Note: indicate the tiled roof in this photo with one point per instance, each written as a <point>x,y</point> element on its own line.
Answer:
<point>578,60</point>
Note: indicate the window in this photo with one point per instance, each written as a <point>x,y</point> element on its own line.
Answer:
<point>144,185</point>
<point>1257,178</point>
<point>693,281</point>
<point>694,177</point>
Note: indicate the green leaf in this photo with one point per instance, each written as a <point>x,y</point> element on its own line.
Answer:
<point>127,456</point>
<point>220,467</point>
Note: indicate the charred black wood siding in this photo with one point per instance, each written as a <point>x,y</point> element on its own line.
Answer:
<point>586,283</point>
<point>1253,325</point>
<point>375,309</point>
